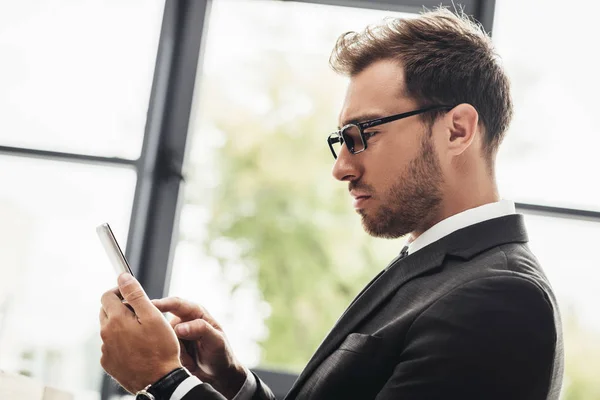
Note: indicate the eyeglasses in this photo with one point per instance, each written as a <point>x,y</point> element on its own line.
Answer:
<point>353,135</point>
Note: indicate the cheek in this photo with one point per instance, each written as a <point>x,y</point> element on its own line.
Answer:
<point>390,155</point>
<point>386,165</point>
<point>398,146</point>
<point>383,175</point>
<point>438,146</point>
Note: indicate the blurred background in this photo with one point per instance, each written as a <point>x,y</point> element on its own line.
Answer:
<point>197,129</point>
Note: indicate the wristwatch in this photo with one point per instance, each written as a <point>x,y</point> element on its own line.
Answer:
<point>164,387</point>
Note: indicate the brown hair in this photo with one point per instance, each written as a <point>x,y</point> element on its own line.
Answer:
<point>447,59</point>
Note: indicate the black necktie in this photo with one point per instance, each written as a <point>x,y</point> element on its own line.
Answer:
<point>404,252</point>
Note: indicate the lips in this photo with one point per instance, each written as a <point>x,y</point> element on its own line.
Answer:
<point>359,201</point>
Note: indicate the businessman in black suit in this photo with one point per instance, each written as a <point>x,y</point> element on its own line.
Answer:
<point>464,312</point>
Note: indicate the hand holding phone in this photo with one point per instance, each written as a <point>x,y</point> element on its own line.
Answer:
<point>120,265</point>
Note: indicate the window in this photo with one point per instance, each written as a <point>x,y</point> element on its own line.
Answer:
<point>76,76</point>
<point>54,269</point>
<point>76,79</point>
<point>262,212</point>
<point>550,153</point>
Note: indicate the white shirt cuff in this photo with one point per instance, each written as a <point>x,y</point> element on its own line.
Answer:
<point>245,393</point>
<point>184,387</point>
<point>248,388</point>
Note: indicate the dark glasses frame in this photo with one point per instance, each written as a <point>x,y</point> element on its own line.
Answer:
<point>339,136</point>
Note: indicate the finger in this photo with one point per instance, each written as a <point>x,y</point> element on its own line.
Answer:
<point>134,295</point>
<point>179,307</point>
<point>117,292</point>
<point>159,305</point>
<point>187,360</point>
<point>185,310</point>
<point>175,321</point>
<point>111,303</point>
<point>103,316</point>
<point>200,330</point>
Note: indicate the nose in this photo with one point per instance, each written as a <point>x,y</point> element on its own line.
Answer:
<point>346,167</point>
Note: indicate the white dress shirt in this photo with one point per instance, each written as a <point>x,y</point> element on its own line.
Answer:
<point>245,393</point>
<point>436,232</point>
<point>461,220</point>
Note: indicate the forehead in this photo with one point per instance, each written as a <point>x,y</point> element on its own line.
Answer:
<point>377,90</point>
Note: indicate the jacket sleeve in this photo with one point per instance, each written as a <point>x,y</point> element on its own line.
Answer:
<point>205,391</point>
<point>491,338</point>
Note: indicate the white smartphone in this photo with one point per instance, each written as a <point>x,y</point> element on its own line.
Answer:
<point>113,250</point>
<point>120,264</point>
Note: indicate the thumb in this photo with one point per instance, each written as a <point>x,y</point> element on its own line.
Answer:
<point>134,294</point>
<point>200,330</point>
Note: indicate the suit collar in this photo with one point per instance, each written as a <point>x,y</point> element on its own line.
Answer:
<point>461,220</point>
<point>472,240</point>
<point>464,243</point>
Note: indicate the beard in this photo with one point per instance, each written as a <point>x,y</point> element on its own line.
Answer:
<point>412,200</point>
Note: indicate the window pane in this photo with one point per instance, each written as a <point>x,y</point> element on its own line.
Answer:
<point>76,75</point>
<point>550,153</point>
<point>259,235</point>
<point>567,251</point>
<point>53,267</point>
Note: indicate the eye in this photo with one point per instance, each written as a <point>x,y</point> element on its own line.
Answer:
<point>369,135</point>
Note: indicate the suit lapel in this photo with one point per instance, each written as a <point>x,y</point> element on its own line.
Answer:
<point>383,286</point>
<point>464,243</point>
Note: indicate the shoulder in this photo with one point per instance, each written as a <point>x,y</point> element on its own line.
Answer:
<point>493,310</point>
<point>510,266</point>
<point>496,332</point>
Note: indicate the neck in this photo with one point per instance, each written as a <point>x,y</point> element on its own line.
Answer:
<point>457,200</point>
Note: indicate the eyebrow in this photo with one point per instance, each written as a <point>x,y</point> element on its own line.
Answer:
<point>362,118</point>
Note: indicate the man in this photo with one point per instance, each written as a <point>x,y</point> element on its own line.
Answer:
<point>464,312</point>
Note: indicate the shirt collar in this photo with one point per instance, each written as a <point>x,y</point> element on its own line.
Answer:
<point>461,220</point>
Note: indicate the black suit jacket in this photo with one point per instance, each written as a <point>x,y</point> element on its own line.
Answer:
<point>471,316</point>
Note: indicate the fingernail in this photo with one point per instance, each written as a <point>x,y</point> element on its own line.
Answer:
<point>124,278</point>
<point>183,329</point>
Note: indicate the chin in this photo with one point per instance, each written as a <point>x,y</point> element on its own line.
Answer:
<point>383,225</point>
<point>381,229</point>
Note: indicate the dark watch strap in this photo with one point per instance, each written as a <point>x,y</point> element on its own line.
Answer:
<point>165,386</point>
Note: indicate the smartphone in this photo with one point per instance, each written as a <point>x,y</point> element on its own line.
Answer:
<point>120,265</point>
<point>113,250</point>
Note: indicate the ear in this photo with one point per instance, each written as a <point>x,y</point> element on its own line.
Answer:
<point>462,123</point>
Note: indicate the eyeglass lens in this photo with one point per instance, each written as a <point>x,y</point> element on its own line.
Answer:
<point>351,137</point>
